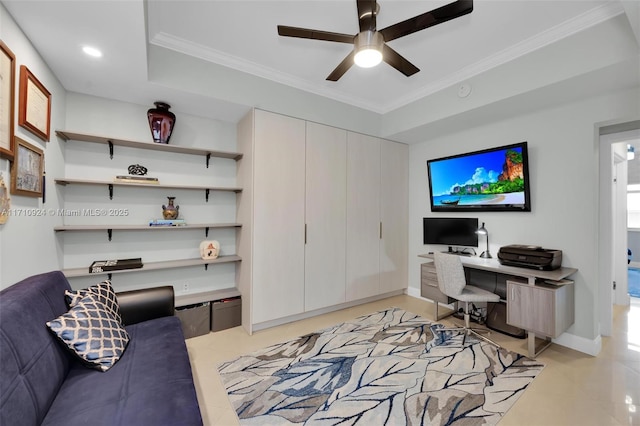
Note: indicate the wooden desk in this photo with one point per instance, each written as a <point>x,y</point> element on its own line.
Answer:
<point>532,304</point>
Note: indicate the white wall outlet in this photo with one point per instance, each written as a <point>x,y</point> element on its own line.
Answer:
<point>185,287</point>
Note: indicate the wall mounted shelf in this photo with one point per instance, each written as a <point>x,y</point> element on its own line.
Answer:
<point>112,185</point>
<point>205,296</point>
<point>111,142</point>
<point>111,228</point>
<point>153,266</point>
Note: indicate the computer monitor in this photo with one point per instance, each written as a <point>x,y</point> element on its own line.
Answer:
<point>450,231</point>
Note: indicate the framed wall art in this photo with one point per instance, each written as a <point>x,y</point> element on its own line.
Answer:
<point>7,100</point>
<point>34,109</point>
<point>5,202</point>
<point>27,169</point>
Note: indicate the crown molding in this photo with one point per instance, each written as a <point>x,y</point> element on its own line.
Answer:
<point>208,54</point>
<point>570,27</point>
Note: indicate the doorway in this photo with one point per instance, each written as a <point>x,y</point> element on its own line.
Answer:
<point>633,217</point>
<point>612,246</point>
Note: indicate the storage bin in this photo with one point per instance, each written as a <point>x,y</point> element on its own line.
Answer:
<point>226,313</point>
<point>195,319</point>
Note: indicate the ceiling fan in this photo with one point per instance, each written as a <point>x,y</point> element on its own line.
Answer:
<point>370,44</point>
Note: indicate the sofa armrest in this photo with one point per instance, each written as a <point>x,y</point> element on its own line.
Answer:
<point>146,304</point>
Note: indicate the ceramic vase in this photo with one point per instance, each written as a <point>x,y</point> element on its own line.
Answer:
<point>161,122</point>
<point>170,211</point>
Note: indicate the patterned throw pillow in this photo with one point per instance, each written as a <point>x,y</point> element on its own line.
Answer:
<point>92,333</point>
<point>103,292</point>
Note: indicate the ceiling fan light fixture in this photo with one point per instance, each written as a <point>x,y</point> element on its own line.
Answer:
<point>368,47</point>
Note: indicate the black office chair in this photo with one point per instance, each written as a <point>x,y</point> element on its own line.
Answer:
<point>452,282</point>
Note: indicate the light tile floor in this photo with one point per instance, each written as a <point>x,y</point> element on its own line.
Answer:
<point>573,388</point>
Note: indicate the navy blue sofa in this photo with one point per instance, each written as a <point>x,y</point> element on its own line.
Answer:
<point>42,383</point>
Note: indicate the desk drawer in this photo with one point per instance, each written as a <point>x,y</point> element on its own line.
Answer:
<point>429,284</point>
<point>428,274</point>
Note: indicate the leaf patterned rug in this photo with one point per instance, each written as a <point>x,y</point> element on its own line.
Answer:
<point>387,368</point>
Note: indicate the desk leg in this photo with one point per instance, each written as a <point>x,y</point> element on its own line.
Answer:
<point>438,317</point>
<point>531,336</point>
<point>531,345</point>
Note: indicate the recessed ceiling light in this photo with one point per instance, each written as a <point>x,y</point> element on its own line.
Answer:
<point>92,51</point>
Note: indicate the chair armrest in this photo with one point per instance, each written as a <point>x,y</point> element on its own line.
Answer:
<point>146,304</point>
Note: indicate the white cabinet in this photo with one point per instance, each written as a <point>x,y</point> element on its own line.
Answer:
<point>278,216</point>
<point>313,219</point>
<point>377,216</point>
<point>394,215</point>
<point>363,216</point>
<point>326,210</point>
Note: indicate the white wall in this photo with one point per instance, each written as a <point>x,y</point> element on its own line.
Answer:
<point>27,243</point>
<point>564,184</point>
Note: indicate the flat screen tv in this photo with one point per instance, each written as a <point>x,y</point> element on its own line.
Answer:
<point>450,231</point>
<point>494,179</point>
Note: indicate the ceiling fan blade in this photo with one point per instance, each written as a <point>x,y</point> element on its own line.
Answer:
<point>428,19</point>
<point>342,67</point>
<point>397,61</point>
<point>286,31</point>
<point>367,15</point>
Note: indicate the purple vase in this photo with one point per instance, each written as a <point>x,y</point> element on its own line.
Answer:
<point>161,122</point>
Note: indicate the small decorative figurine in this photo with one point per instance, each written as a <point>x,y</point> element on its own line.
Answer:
<point>209,249</point>
<point>137,169</point>
<point>170,211</point>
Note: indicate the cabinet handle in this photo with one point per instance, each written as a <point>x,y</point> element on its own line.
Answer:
<point>305,233</point>
<point>380,230</point>
<point>513,293</point>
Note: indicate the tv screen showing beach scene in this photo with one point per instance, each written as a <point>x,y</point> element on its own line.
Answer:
<point>494,179</point>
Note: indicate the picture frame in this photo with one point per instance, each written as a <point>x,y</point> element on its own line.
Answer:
<point>34,108</point>
<point>7,100</point>
<point>27,169</point>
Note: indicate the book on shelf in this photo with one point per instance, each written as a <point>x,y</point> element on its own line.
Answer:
<point>167,222</point>
<point>136,179</point>
<point>115,265</point>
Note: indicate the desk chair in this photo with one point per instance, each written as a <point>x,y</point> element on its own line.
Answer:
<point>452,282</point>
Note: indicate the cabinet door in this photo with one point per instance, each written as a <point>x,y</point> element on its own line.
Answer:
<point>278,217</point>
<point>326,211</point>
<point>531,307</point>
<point>363,216</point>
<point>394,213</point>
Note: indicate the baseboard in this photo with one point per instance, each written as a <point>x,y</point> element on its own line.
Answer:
<point>590,347</point>
<point>305,315</point>
<point>413,292</point>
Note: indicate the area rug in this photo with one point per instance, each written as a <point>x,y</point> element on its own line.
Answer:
<point>388,368</point>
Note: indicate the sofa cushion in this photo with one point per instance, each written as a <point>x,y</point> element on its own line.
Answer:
<point>92,333</point>
<point>103,292</point>
<point>33,364</point>
<point>150,385</point>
